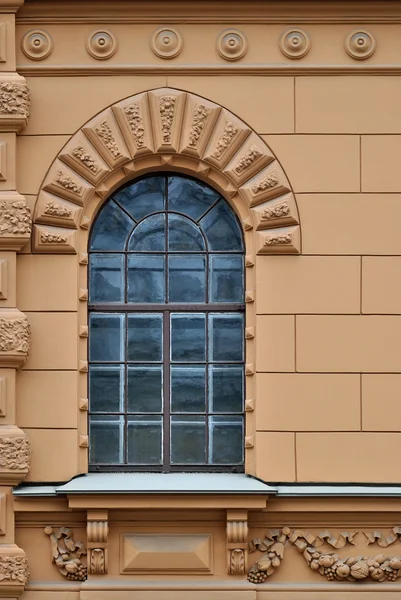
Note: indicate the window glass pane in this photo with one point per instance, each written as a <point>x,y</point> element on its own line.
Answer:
<point>226,337</point>
<point>188,385</point>
<point>145,440</point>
<point>186,276</point>
<point>221,228</point>
<point>189,197</point>
<point>146,280</point>
<point>106,388</point>
<point>145,388</point>
<point>225,440</point>
<point>106,277</point>
<point>106,340</point>
<point>143,197</point>
<point>111,229</point>
<point>145,337</point>
<point>149,235</point>
<point>226,278</point>
<point>106,440</point>
<point>183,235</point>
<point>188,337</point>
<point>226,385</point>
<point>188,440</point>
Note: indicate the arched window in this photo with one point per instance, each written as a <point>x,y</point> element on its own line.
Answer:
<point>166,329</point>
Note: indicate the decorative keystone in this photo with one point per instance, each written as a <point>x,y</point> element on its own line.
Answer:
<point>14,338</point>
<point>14,457</point>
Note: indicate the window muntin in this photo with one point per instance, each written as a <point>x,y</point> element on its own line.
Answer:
<point>166,343</point>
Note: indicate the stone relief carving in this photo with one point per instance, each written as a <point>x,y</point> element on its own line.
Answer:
<point>237,545</point>
<point>248,159</point>
<point>270,181</point>
<point>295,43</point>
<point>166,106</point>
<point>56,210</point>
<point>232,44</point>
<point>69,183</point>
<point>14,568</point>
<point>97,561</point>
<point>229,132</point>
<point>166,42</point>
<point>15,217</point>
<point>275,240</point>
<point>104,132</point>
<point>52,238</point>
<point>14,335</point>
<point>67,554</point>
<point>328,564</point>
<point>360,44</point>
<point>199,118</point>
<point>14,453</point>
<point>14,98</point>
<point>37,44</point>
<point>101,44</point>
<point>86,159</point>
<point>97,540</point>
<point>277,211</point>
<point>135,122</point>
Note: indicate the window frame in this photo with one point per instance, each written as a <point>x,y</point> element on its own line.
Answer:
<point>167,309</point>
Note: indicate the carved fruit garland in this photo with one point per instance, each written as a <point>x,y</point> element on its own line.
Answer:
<point>330,565</point>
<point>66,554</point>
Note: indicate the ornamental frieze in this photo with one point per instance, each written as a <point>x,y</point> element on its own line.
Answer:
<point>328,564</point>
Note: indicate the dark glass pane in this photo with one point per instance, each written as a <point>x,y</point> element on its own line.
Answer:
<point>188,440</point>
<point>111,229</point>
<point>106,277</point>
<point>143,197</point>
<point>145,388</point>
<point>186,278</point>
<point>145,440</point>
<point>226,278</point>
<point>106,440</point>
<point>106,388</point>
<point>106,340</point>
<point>149,235</point>
<point>226,337</point>
<point>221,228</point>
<point>188,337</point>
<point>146,280</point>
<point>183,235</point>
<point>189,197</point>
<point>226,388</point>
<point>145,337</point>
<point>226,440</point>
<point>188,385</point>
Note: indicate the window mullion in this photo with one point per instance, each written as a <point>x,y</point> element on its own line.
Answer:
<point>166,390</point>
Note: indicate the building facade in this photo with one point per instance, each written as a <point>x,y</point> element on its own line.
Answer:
<point>200,363</point>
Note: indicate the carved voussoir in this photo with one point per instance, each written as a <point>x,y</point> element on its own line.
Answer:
<point>104,134</point>
<point>83,158</point>
<point>15,221</point>
<point>54,240</point>
<point>279,241</point>
<point>14,571</point>
<point>14,102</point>
<point>133,118</point>
<point>228,135</point>
<point>200,119</point>
<point>14,338</point>
<point>167,111</point>
<point>14,456</point>
<point>277,213</point>
<point>249,159</point>
<point>67,184</point>
<point>52,210</point>
<point>267,184</point>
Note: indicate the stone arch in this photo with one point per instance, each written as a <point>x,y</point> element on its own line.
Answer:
<point>166,129</point>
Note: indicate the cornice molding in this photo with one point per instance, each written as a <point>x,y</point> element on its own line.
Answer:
<point>43,70</point>
<point>163,12</point>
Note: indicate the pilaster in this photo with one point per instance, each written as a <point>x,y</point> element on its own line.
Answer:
<point>15,230</point>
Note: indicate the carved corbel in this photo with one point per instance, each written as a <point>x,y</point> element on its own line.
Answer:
<point>97,531</point>
<point>237,544</point>
<point>14,572</point>
<point>14,456</point>
<point>14,338</point>
<point>15,220</point>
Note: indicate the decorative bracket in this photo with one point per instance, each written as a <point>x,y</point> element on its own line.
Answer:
<point>97,531</point>
<point>237,544</point>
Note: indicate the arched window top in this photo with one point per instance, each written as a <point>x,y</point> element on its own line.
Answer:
<point>166,329</point>
<point>166,213</point>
